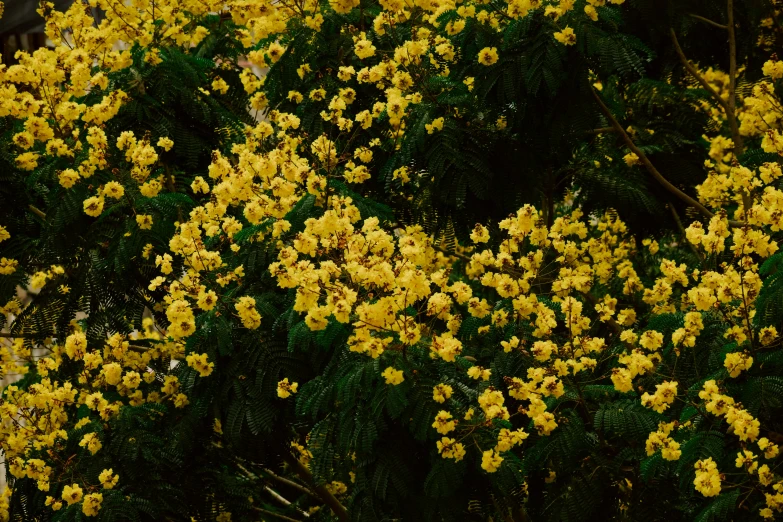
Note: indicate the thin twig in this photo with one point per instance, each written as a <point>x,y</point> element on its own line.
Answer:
<point>708,21</point>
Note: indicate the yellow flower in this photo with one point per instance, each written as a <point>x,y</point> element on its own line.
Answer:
<point>92,504</point>
<point>444,423</point>
<point>181,400</point>
<point>441,392</point>
<point>507,439</point>
<point>50,501</point>
<point>747,460</point>
<point>72,494</point>
<point>664,396</point>
<point>631,158</point>
<point>76,345</point>
<point>480,234</point>
<point>392,376</point>
<point>181,318</point>
<point>621,378</point>
<point>199,185</point>
<point>768,335</point>
<point>93,206</point>
<point>707,479</point>
<point>488,56</point>
<point>108,479</point>
<point>773,69</point>
<point>27,161</point>
<point>131,380</point>
<point>207,300</point>
<point>246,308</point>
<point>91,442</point>
<point>770,449</point>
<point>165,143</point>
<point>566,36</point>
<point>651,340</point>
<point>364,49</point>
<point>491,461</point>
<point>68,178</point>
<point>200,363</point>
<point>285,389</point>
<point>737,362</point>
<point>477,372</point>
<point>436,125</point>
<point>113,190</point>
<point>144,221</point>
<point>8,266</point>
<point>449,448</point>
<point>219,85</point>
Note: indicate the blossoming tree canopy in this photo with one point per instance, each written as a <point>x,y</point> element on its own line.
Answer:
<point>410,260</point>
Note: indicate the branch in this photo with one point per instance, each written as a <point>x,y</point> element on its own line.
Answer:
<point>600,130</point>
<point>693,72</point>
<point>277,496</point>
<point>38,212</point>
<point>21,336</point>
<point>708,21</point>
<point>289,483</point>
<point>319,490</point>
<point>646,161</point>
<point>284,501</point>
<point>276,515</point>
<point>735,135</point>
<point>139,349</point>
<point>730,106</point>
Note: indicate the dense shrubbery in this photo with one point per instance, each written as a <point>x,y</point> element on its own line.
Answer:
<point>484,260</point>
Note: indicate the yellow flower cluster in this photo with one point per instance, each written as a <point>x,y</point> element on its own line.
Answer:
<point>708,480</point>
<point>660,440</point>
<point>664,396</point>
<point>392,287</point>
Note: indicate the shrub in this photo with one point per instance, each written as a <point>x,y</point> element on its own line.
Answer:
<point>488,260</point>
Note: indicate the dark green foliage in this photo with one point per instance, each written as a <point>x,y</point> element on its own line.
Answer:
<point>626,419</point>
<point>721,508</point>
<point>528,132</point>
